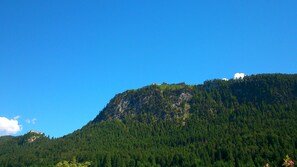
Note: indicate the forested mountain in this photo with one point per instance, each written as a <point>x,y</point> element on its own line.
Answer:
<point>242,122</point>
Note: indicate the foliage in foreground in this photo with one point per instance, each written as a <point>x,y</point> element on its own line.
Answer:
<point>73,163</point>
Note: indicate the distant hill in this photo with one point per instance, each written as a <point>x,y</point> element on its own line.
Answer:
<point>240,122</point>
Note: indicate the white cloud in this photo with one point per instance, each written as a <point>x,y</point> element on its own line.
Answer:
<point>239,75</point>
<point>9,126</point>
<point>225,79</point>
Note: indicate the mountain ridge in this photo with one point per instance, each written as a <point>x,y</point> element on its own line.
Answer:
<point>249,121</point>
<point>138,101</point>
<point>120,102</point>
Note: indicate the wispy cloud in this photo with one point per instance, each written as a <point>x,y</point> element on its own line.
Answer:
<point>16,117</point>
<point>31,121</point>
<point>9,126</point>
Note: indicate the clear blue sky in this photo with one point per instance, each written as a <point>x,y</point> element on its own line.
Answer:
<point>62,61</point>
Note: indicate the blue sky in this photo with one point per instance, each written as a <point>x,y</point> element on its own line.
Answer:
<point>62,61</point>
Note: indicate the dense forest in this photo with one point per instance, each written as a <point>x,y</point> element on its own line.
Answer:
<point>240,122</point>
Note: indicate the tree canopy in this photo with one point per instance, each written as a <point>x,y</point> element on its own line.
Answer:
<point>243,122</point>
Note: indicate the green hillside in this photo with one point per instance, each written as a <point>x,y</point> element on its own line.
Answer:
<point>245,122</point>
